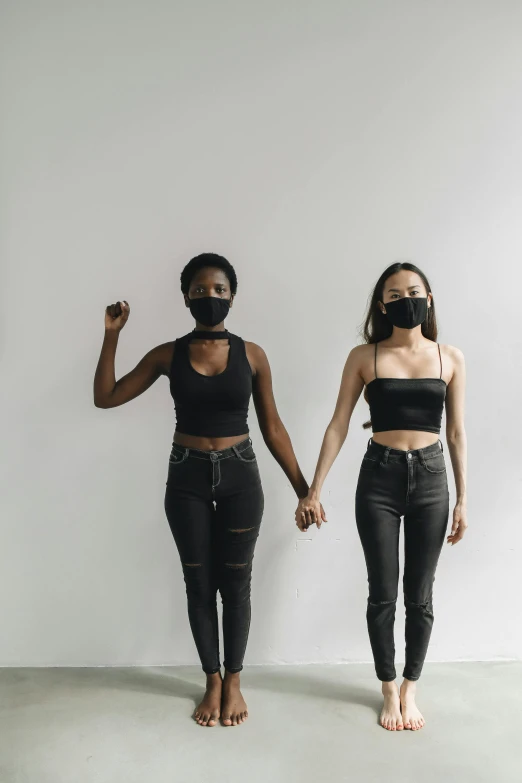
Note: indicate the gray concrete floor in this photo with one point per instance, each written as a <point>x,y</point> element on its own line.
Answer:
<point>307,723</point>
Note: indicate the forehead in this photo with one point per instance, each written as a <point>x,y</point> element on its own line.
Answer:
<point>209,276</point>
<point>403,279</point>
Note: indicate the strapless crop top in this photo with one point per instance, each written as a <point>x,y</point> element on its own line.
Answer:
<point>406,403</point>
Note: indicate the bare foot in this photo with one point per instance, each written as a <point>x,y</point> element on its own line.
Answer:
<point>411,714</point>
<point>207,713</point>
<point>233,709</point>
<point>391,718</point>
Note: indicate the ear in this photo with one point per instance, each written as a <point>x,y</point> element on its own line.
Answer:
<point>430,299</point>
<point>231,299</point>
<point>381,307</point>
<point>187,300</point>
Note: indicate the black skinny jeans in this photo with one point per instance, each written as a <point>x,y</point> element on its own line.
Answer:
<point>214,504</point>
<point>394,484</point>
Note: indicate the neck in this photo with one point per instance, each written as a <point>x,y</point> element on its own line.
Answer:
<point>219,328</point>
<point>407,338</point>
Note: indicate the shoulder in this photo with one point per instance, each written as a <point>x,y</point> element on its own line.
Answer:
<point>162,356</point>
<point>360,355</point>
<point>362,351</point>
<point>453,353</point>
<point>453,360</point>
<point>256,356</point>
<point>254,349</point>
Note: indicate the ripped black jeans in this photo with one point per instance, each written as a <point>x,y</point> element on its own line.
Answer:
<point>214,505</point>
<point>394,484</point>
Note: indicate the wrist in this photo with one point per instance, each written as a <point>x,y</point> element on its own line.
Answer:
<point>462,501</point>
<point>302,491</point>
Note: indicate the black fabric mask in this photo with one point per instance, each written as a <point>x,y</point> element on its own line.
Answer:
<point>408,312</point>
<point>209,310</point>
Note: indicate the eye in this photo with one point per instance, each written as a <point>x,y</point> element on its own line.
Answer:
<point>414,293</point>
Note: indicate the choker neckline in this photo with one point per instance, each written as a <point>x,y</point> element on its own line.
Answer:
<point>201,334</point>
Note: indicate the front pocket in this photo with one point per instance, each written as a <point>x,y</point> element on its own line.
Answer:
<point>368,463</point>
<point>177,457</point>
<point>247,455</point>
<point>435,464</point>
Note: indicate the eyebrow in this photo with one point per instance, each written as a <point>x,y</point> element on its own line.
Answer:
<point>409,287</point>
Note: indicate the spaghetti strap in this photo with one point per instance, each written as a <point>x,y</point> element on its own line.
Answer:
<point>440,358</point>
<point>375,361</point>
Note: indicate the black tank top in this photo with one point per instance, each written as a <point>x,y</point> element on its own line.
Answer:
<point>406,403</point>
<point>214,406</point>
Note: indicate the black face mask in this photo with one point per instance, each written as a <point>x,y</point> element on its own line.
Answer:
<point>209,310</point>
<point>408,312</point>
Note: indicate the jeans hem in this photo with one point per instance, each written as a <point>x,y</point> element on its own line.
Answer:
<point>211,671</point>
<point>233,669</point>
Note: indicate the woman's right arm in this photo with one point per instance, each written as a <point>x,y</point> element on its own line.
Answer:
<point>108,392</point>
<point>308,512</point>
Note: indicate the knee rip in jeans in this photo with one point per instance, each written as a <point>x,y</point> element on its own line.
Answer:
<point>192,565</point>
<point>236,565</point>
<point>425,606</point>
<point>381,603</point>
<point>240,530</point>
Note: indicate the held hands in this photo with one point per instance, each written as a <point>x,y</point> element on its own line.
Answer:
<point>116,316</point>
<point>309,512</point>
<point>459,525</point>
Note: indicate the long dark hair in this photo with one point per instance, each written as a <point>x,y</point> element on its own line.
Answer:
<point>377,327</point>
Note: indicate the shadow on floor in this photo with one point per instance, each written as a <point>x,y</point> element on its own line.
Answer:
<point>307,684</point>
<point>35,683</point>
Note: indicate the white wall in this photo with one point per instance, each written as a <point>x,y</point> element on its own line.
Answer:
<point>313,144</point>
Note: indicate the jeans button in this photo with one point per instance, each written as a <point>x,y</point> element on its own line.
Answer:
<point>409,455</point>
<point>213,456</point>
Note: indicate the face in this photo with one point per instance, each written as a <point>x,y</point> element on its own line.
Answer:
<point>209,282</point>
<point>401,285</point>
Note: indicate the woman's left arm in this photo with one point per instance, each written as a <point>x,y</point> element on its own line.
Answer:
<point>456,438</point>
<point>272,428</point>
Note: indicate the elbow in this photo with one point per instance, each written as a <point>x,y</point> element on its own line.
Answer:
<point>455,434</point>
<point>102,402</point>
<point>338,429</point>
<point>273,432</point>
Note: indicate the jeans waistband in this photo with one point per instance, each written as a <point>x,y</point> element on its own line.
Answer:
<point>213,456</point>
<point>385,453</point>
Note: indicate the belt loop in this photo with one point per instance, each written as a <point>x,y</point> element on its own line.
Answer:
<point>369,443</point>
<point>187,453</point>
<point>441,446</point>
<point>386,455</point>
<point>236,451</point>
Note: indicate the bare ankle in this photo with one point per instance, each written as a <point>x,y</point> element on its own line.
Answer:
<point>409,687</point>
<point>213,679</point>
<point>232,678</point>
